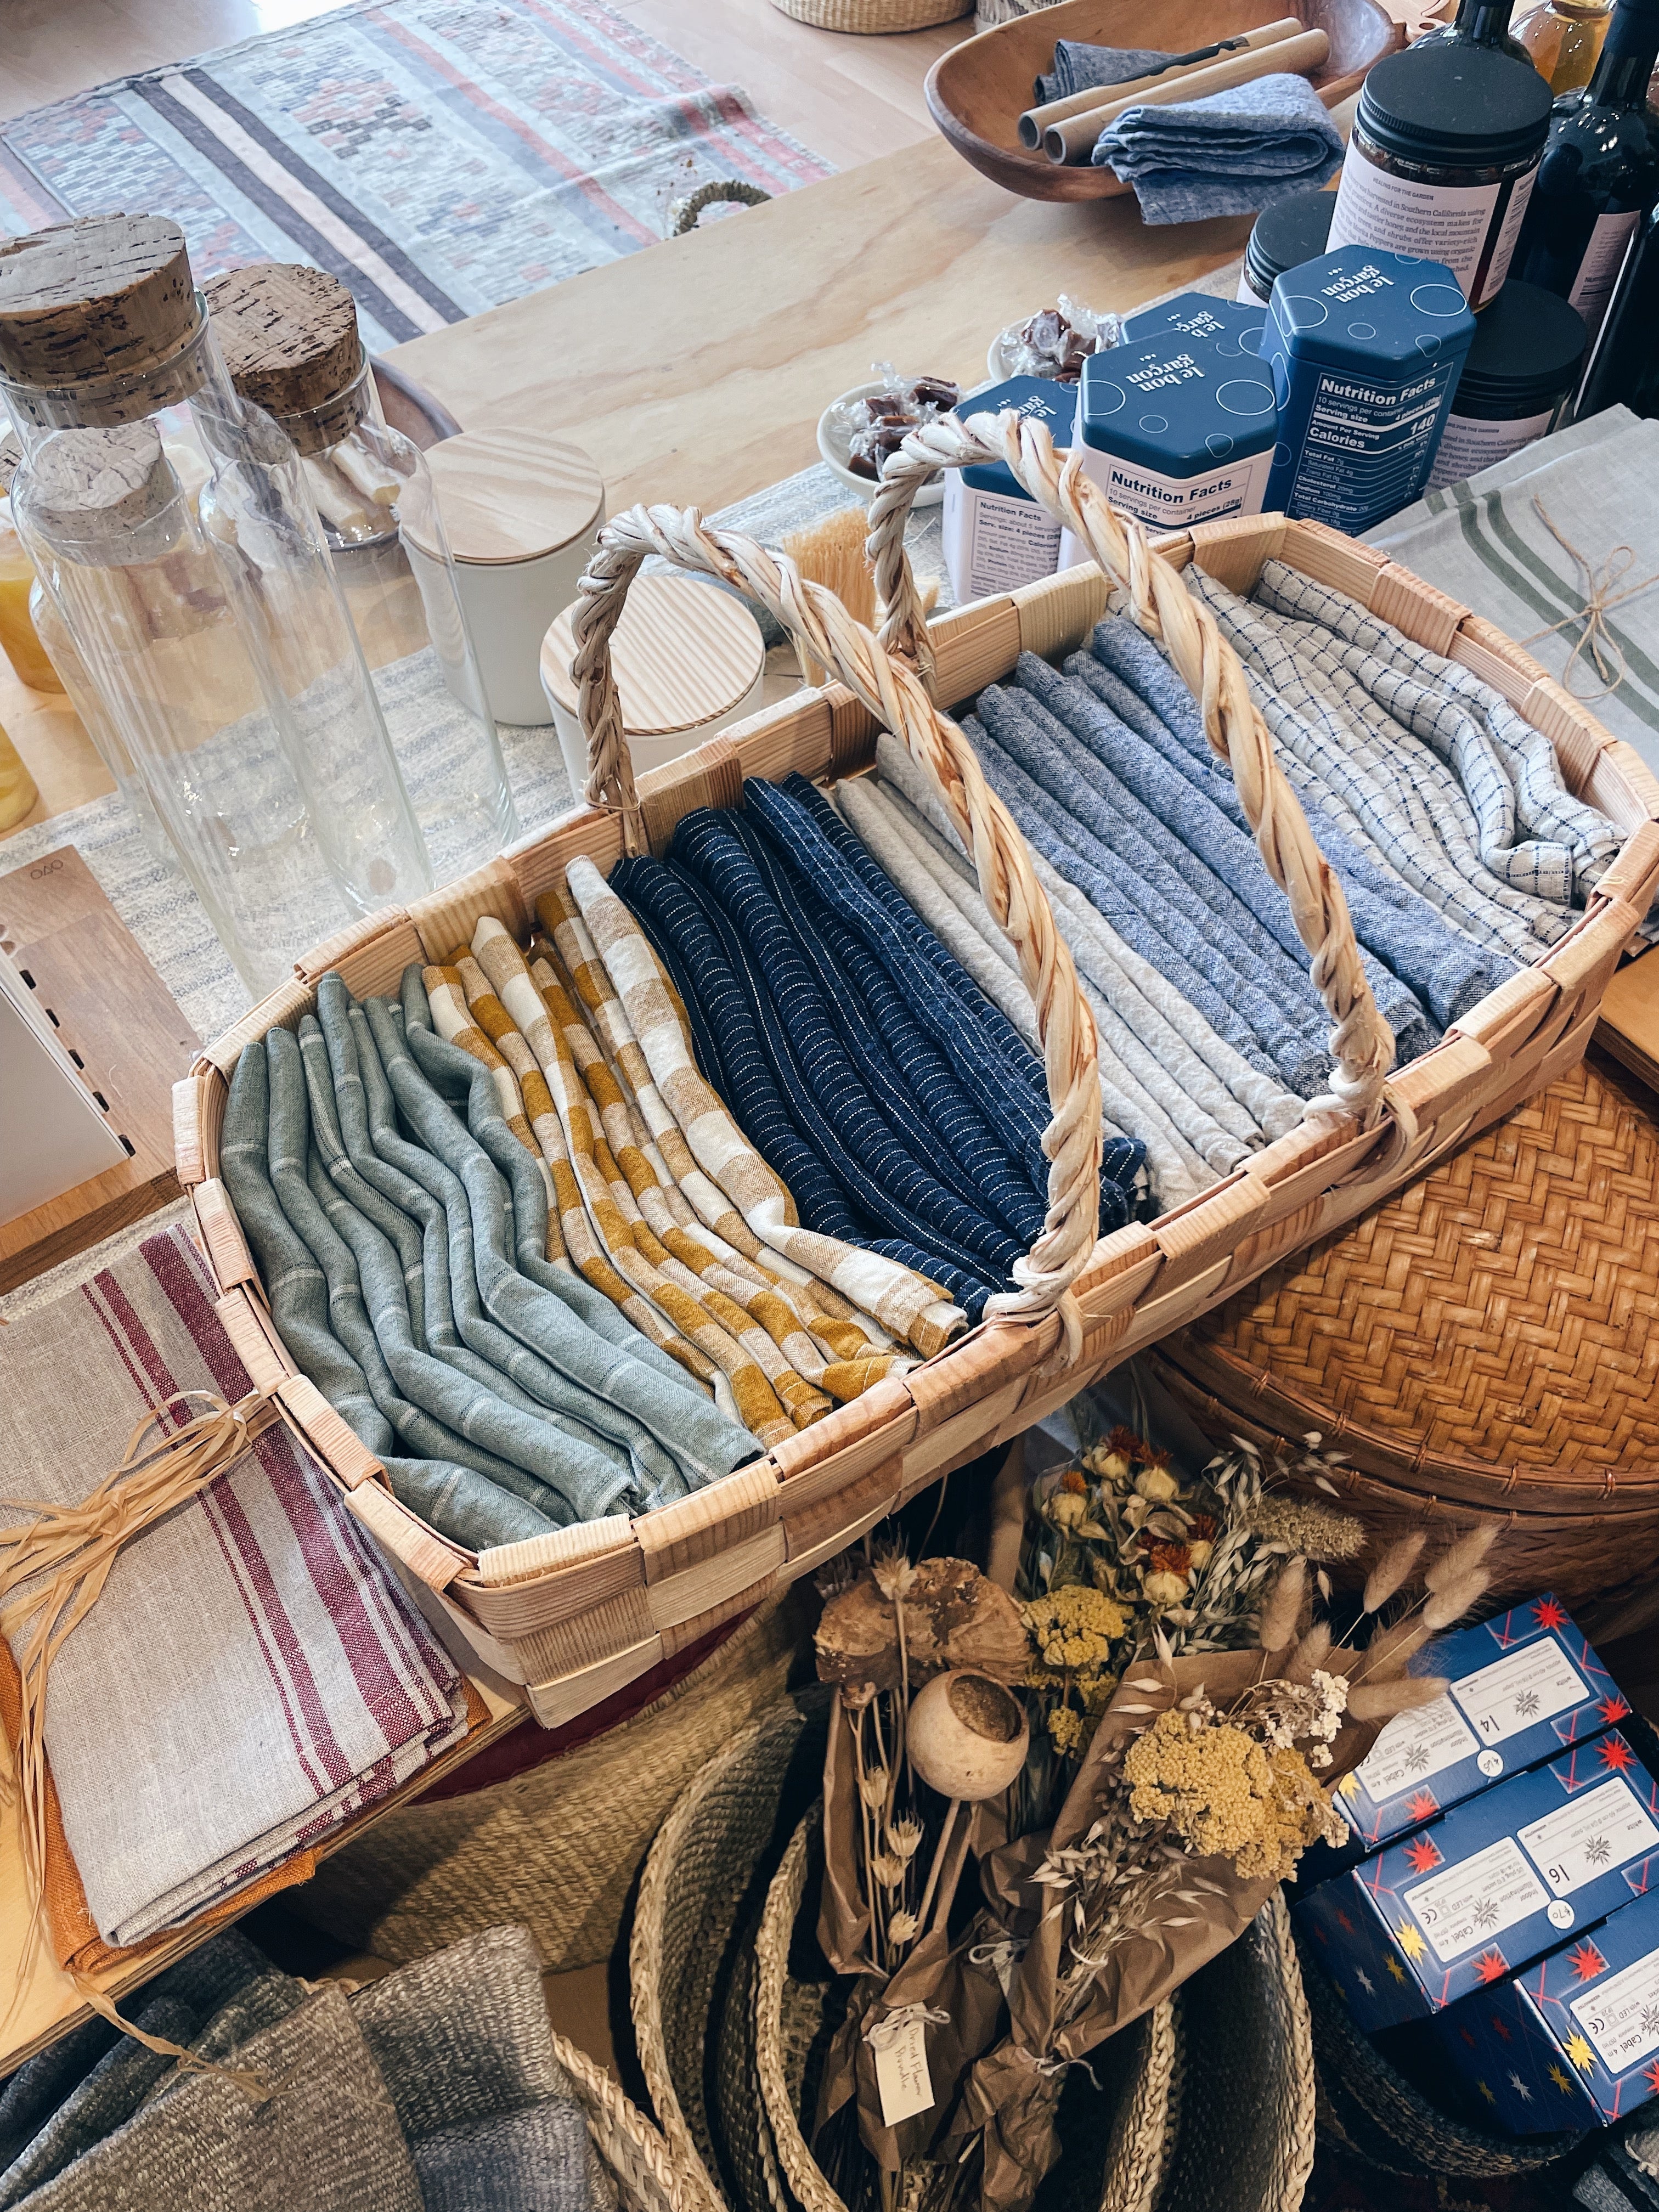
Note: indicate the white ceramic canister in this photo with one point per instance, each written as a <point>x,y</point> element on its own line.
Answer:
<point>521,511</point>
<point>689,657</point>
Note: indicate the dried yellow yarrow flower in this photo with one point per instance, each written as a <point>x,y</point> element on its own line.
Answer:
<point>1315,1531</point>
<point>1226,1796</point>
<point>1074,1626</point>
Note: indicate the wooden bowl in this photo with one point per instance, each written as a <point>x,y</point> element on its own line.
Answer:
<point>977,93</point>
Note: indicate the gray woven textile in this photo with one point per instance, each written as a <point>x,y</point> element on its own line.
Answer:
<point>528,2161</point>
<point>1489,544</point>
<point>401,1244</point>
<point>435,2090</point>
<point>328,2140</point>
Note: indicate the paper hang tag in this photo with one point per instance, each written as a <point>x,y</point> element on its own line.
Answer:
<point>902,2081</point>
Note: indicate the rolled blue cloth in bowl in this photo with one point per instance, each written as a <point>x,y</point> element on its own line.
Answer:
<point>1079,68</point>
<point>1226,154</point>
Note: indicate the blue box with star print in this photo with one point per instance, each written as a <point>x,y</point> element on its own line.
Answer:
<point>1520,1688</point>
<point>1490,1885</point>
<point>1571,2042</point>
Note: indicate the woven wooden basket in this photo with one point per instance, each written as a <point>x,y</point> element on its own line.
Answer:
<point>576,1615</point>
<point>878,17</point>
<point>1483,1347</point>
<point>639,2162</point>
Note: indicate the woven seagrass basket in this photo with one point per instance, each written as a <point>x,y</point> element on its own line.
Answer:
<point>646,2175</point>
<point>691,1954</point>
<point>877,17</point>
<point>1484,1346</point>
<point>556,1847</point>
<point>576,1615</point>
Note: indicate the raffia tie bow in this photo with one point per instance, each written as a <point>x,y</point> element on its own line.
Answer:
<point>54,1567</point>
<point>882,2034</point>
<point>1599,583</point>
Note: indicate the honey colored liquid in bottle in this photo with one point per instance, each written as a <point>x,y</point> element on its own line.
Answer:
<point>17,792</point>
<point>1563,40</point>
<point>22,646</point>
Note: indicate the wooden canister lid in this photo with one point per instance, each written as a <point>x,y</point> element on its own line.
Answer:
<point>511,494</point>
<point>288,336</point>
<point>683,653</point>
<point>107,295</point>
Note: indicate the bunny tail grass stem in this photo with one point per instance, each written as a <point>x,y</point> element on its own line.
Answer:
<point>1459,1561</point>
<point>1381,1701</point>
<point>1453,1600</point>
<point>1281,1612</point>
<point>1392,1570</point>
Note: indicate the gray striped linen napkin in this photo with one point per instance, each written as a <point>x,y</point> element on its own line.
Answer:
<point>1487,543</point>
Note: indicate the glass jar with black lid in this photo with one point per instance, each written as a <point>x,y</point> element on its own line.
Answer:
<point>1291,231</point>
<point>1445,146</point>
<point>1518,376</point>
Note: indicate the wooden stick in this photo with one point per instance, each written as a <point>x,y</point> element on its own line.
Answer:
<point>1072,141</point>
<point>1036,119</point>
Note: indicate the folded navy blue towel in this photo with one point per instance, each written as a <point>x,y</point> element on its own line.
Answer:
<point>1228,154</point>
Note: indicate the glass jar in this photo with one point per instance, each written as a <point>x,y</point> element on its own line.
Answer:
<point>373,489</point>
<point>1563,40</point>
<point>173,533</point>
<point>106,741</point>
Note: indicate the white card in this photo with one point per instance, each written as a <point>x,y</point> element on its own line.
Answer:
<point>902,2081</point>
<point>1588,1836</point>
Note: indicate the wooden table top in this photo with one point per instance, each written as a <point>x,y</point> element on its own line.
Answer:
<point>695,370</point>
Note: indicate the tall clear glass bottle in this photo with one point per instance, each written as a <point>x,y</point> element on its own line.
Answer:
<point>288,336</point>
<point>1563,40</point>
<point>174,537</point>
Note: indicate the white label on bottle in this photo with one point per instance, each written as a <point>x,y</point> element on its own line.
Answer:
<point>1176,503</point>
<point>1621,2018</point>
<point>902,2081</point>
<point>1589,1836</point>
<point>1469,444</point>
<point>1452,223</point>
<point>1516,1692</point>
<point>993,543</point>
<point>1598,272</point>
<point>1414,1747</point>
<point>1470,1903</point>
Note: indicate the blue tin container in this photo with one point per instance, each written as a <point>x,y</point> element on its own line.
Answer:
<point>1572,2042</point>
<point>1365,349</point>
<point>1199,315</point>
<point>995,535</point>
<point>1490,1886</point>
<point>1178,430</point>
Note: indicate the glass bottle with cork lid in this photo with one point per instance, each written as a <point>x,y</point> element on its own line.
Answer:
<point>1599,174</point>
<point>172,532</point>
<point>288,335</point>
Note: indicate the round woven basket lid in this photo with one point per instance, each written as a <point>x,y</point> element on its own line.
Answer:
<point>1496,1320</point>
<point>683,653</point>
<point>511,494</point>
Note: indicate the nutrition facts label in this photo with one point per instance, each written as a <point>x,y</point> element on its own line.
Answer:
<point>1366,449</point>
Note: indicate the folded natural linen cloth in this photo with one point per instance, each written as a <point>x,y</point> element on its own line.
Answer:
<point>1079,67</point>
<point>1228,154</point>
<point>251,1675</point>
<point>1490,544</point>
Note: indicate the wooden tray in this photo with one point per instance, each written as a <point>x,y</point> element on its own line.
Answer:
<point>977,93</point>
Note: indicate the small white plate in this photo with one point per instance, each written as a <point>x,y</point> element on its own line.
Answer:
<point>833,448</point>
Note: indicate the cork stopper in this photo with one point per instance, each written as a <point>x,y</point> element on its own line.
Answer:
<point>98,488</point>
<point>510,495</point>
<point>288,336</point>
<point>103,297</point>
<point>683,653</point>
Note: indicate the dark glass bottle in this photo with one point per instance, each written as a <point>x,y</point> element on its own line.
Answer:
<point>1480,23</point>
<point>1599,170</point>
<point>1623,369</point>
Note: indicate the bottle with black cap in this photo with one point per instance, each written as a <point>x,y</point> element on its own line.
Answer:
<point>1291,231</point>
<point>1480,23</point>
<point>1623,369</point>
<point>1441,160</point>
<point>1600,169</point>
<point>1518,376</point>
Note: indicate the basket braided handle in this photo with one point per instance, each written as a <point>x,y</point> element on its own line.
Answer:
<point>1362,1043</point>
<point>893,694</point>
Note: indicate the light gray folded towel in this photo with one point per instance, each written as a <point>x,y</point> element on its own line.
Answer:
<point>1228,154</point>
